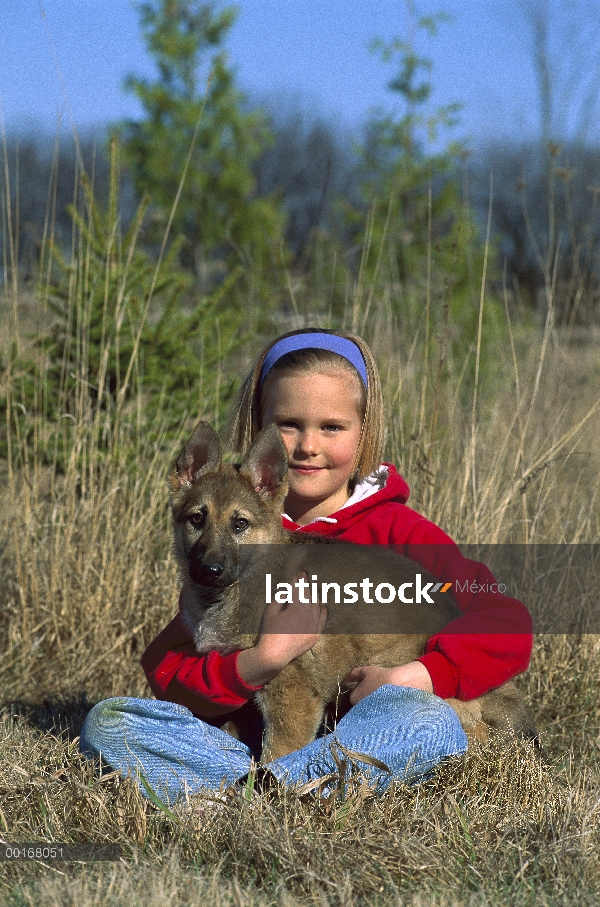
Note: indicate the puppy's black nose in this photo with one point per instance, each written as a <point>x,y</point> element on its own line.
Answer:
<point>208,573</point>
<point>213,569</point>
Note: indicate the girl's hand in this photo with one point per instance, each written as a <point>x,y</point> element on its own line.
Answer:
<point>286,632</point>
<point>371,677</point>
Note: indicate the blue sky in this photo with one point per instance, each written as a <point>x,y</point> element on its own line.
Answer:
<point>67,58</point>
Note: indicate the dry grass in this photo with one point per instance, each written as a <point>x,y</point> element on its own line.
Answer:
<point>500,826</point>
<point>89,580</point>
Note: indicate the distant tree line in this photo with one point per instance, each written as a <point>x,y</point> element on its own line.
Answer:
<point>262,185</point>
<point>313,170</point>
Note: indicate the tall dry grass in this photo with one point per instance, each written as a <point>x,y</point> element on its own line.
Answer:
<point>507,455</point>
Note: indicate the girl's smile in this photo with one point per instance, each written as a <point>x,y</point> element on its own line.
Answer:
<point>320,423</point>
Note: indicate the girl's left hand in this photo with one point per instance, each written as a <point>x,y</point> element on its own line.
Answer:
<point>371,677</point>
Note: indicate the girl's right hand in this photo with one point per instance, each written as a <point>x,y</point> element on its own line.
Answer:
<point>286,632</point>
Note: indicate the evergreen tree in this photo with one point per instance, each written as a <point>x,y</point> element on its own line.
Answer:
<point>417,231</point>
<point>412,215</point>
<point>218,213</point>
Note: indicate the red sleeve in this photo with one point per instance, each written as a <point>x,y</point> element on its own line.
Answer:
<point>490,642</point>
<point>208,685</point>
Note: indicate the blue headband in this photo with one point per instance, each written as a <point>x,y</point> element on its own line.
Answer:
<point>318,341</point>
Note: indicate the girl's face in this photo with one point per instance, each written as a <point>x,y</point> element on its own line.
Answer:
<point>319,420</point>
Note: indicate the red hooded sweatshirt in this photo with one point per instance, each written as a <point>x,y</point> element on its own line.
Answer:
<point>487,645</point>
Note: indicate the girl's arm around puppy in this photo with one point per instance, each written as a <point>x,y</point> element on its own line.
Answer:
<point>214,684</point>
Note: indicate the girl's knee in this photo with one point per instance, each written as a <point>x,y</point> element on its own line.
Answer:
<point>437,726</point>
<point>109,710</point>
<point>110,720</point>
<point>423,717</point>
<point>102,721</point>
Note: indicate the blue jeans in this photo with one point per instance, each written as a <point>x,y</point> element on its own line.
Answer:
<point>409,730</point>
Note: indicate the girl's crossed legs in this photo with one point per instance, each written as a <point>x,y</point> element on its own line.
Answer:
<point>409,730</point>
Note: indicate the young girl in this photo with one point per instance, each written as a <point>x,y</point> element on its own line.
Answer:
<point>322,390</point>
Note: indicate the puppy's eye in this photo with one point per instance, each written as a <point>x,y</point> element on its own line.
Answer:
<point>240,524</point>
<point>196,519</point>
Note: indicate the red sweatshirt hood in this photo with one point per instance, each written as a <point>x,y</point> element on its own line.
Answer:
<point>395,490</point>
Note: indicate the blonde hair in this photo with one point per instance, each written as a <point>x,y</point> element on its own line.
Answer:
<point>246,421</point>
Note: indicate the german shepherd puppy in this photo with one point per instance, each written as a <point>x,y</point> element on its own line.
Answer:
<point>217,510</point>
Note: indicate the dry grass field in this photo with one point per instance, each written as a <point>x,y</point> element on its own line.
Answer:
<point>88,580</point>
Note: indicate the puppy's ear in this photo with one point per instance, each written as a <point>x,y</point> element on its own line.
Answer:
<point>201,454</point>
<point>266,463</point>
